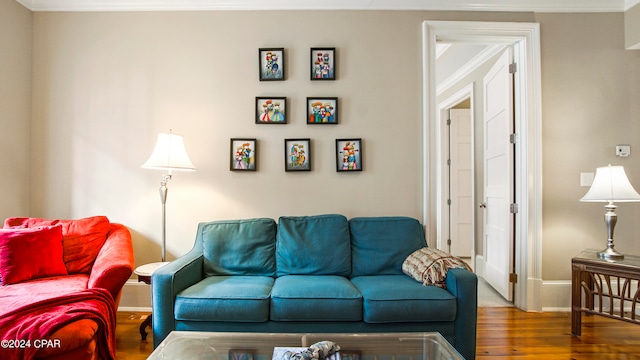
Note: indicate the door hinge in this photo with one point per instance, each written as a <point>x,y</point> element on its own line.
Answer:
<point>513,208</point>
<point>449,162</point>
<point>449,242</point>
<point>513,138</point>
<point>513,68</point>
<point>449,122</point>
<point>513,278</point>
<point>449,202</point>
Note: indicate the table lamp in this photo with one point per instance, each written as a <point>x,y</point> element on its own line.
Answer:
<point>611,184</point>
<point>169,154</point>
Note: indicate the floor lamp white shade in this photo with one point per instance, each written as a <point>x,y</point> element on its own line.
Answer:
<point>169,154</point>
<point>611,185</point>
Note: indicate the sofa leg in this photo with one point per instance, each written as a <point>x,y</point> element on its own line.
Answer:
<point>143,327</point>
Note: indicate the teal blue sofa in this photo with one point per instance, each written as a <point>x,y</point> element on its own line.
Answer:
<point>310,274</point>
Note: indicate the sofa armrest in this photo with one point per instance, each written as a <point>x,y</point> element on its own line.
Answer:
<point>167,282</point>
<point>114,264</point>
<point>463,284</point>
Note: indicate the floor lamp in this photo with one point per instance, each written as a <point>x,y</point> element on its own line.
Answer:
<point>170,155</point>
<point>611,184</point>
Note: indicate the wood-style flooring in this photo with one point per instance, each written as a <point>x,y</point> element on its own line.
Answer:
<point>503,333</point>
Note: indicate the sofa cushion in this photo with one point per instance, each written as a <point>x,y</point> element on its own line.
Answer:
<point>399,298</point>
<point>239,247</point>
<point>395,237</point>
<point>313,245</point>
<point>32,253</point>
<point>315,298</point>
<point>226,298</point>
<point>82,239</point>
<point>28,292</point>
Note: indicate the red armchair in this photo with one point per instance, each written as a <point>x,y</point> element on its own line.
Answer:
<point>98,257</point>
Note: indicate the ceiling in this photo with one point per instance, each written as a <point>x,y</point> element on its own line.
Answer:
<point>435,5</point>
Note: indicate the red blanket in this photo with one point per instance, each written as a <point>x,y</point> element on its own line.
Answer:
<point>28,329</point>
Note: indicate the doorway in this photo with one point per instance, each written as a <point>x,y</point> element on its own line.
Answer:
<point>524,37</point>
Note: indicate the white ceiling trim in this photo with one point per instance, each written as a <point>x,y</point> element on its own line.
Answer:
<point>435,5</point>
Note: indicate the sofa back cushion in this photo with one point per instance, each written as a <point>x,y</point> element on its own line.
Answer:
<point>238,247</point>
<point>82,239</point>
<point>379,245</point>
<point>313,245</point>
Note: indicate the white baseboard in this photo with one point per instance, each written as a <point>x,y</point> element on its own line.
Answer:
<point>136,297</point>
<point>556,295</point>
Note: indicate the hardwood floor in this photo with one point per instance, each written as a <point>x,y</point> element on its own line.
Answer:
<point>503,333</point>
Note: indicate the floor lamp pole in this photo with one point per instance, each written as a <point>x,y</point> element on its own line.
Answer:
<point>163,199</point>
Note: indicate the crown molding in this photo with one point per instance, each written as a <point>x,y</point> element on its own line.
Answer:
<point>434,5</point>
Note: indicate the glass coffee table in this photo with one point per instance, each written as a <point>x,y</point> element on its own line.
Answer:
<point>258,346</point>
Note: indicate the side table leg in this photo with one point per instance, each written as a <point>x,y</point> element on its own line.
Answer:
<point>576,301</point>
<point>143,327</point>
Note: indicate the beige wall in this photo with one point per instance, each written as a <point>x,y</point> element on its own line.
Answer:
<point>590,93</point>
<point>632,28</point>
<point>105,84</point>
<point>15,107</point>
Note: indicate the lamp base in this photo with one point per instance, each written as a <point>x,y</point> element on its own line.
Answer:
<point>610,254</point>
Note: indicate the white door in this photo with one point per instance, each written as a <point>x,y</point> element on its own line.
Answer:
<point>499,176</point>
<point>461,183</point>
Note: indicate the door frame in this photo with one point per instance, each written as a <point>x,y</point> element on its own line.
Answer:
<point>441,186</point>
<point>525,38</point>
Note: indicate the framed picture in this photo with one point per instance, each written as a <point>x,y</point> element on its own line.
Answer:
<point>349,154</point>
<point>243,155</point>
<point>297,154</point>
<point>322,111</point>
<point>271,110</point>
<point>323,63</point>
<point>271,62</point>
<point>242,354</point>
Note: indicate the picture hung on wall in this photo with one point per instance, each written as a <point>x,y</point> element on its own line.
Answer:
<point>322,110</point>
<point>349,154</point>
<point>271,110</point>
<point>271,62</point>
<point>297,154</point>
<point>323,63</point>
<point>243,154</point>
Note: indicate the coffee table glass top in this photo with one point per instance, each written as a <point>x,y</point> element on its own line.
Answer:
<point>257,346</point>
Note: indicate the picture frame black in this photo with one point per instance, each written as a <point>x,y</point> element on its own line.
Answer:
<point>349,155</point>
<point>243,154</point>
<point>297,154</point>
<point>322,111</point>
<point>271,110</point>
<point>271,65</point>
<point>322,63</point>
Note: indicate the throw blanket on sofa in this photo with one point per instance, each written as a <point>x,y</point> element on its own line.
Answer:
<point>23,330</point>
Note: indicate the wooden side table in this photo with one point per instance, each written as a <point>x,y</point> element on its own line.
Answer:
<point>144,273</point>
<point>611,288</point>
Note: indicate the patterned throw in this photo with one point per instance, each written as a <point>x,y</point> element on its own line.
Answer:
<point>429,266</point>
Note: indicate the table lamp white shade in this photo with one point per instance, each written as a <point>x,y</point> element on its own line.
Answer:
<point>169,154</point>
<point>611,184</point>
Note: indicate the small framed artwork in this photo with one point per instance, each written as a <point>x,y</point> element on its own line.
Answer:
<point>349,154</point>
<point>297,154</point>
<point>322,110</point>
<point>271,110</point>
<point>243,154</point>
<point>271,62</point>
<point>323,63</point>
<point>242,354</point>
